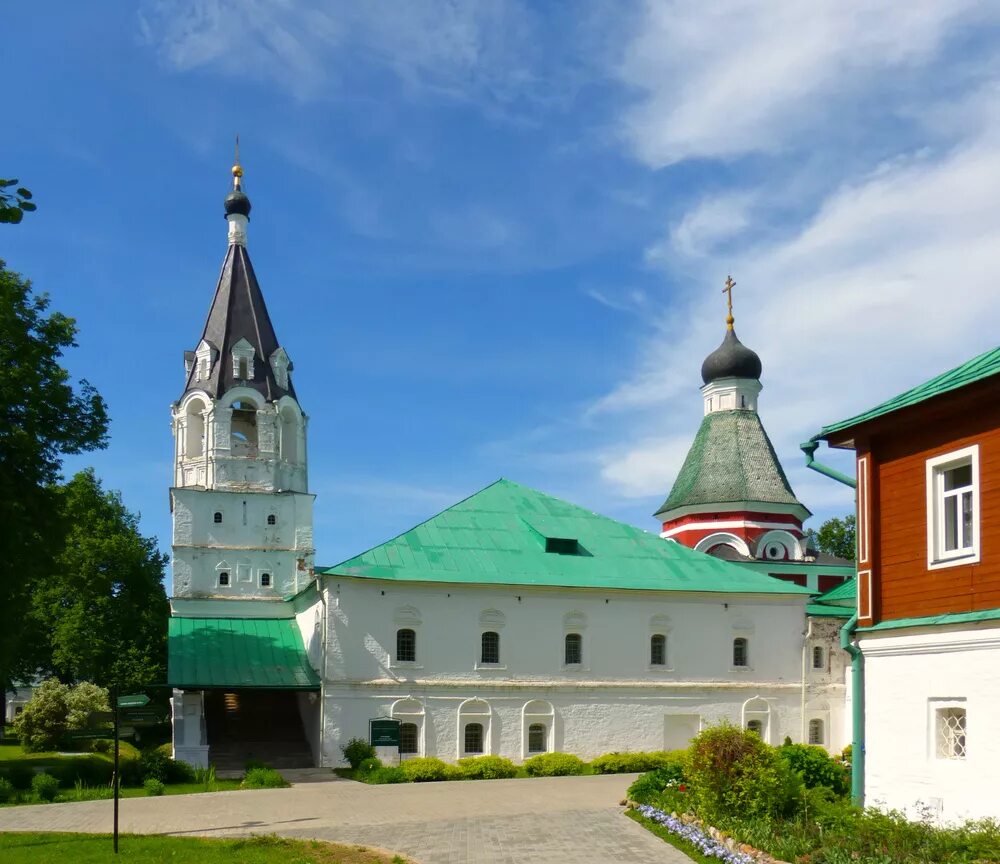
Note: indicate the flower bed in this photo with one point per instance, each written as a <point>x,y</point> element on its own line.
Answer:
<point>708,846</point>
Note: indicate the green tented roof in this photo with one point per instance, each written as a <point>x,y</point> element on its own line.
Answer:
<point>976,369</point>
<point>929,620</point>
<point>238,653</point>
<point>730,461</point>
<point>497,536</point>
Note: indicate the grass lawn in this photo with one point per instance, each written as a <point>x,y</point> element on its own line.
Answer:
<point>19,848</point>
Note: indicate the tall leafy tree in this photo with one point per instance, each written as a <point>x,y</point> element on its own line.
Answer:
<point>838,537</point>
<point>103,608</point>
<point>44,415</point>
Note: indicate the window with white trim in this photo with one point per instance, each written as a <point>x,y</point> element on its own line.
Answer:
<point>409,740</point>
<point>816,732</point>
<point>265,580</point>
<point>574,649</point>
<point>657,650</point>
<point>490,647</point>
<point>406,645</point>
<point>536,738</point>
<point>223,578</point>
<point>756,726</point>
<point>473,738</point>
<point>953,508</point>
<point>741,652</point>
<point>819,660</point>
<point>949,733</point>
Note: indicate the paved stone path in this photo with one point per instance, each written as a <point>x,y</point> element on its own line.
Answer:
<point>554,820</point>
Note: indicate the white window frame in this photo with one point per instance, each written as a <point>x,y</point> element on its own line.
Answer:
<point>936,707</point>
<point>937,556</point>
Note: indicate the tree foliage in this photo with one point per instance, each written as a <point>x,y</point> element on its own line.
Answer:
<point>43,416</point>
<point>15,201</point>
<point>838,537</point>
<point>54,709</point>
<point>103,607</point>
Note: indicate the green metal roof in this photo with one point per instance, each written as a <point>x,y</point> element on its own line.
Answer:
<point>730,461</point>
<point>930,620</point>
<point>976,369</point>
<point>845,592</point>
<point>819,610</point>
<point>239,653</point>
<point>497,536</point>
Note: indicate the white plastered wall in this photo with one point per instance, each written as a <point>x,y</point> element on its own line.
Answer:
<point>614,700</point>
<point>908,674</point>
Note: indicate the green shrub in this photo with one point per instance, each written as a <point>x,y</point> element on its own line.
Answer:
<point>630,763</point>
<point>129,772</point>
<point>554,765</point>
<point>45,786</point>
<point>103,745</point>
<point>816,767</point>
<point>368,765</point>
<point>166,749</point>
<point>453,772</point>
<point>386,774</point>
<point>156,765</point>
<point>356,751</point>
<point>20,776</point>
<point>153,787</point>
<point>487,768</point>
<point>263,778</point>
<point>88,770</point>
<point>651,785</point>
<point>7,791</point>
<point>733,773</point>
<point>425,769</point>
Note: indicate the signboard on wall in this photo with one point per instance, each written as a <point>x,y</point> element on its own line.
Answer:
<point>383,732</point>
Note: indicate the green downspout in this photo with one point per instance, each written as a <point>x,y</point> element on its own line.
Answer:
<point>857,659</point>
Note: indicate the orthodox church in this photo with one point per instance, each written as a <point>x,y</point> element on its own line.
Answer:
<point>512,623</point>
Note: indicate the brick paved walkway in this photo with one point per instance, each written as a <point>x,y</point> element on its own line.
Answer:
<point>540,821</point>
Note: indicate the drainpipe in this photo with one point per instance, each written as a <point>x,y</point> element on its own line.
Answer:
<point>857,711</point>
<point>857,659</point>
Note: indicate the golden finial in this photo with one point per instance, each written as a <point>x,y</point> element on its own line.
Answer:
<point>728,290</point>
<point>237,168</point>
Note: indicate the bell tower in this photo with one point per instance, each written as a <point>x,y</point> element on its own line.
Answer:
<point>242,512</point>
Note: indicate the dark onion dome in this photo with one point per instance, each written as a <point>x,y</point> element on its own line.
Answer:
<point>732,359</point>
<point>237,201</point>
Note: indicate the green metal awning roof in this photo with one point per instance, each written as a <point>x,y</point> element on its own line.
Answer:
<point>264,653</point>
<point>838,602</point>
<point>498,537</point>
<point>973,370</point>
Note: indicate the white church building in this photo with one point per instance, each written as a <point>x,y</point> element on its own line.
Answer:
<point>512,623</point>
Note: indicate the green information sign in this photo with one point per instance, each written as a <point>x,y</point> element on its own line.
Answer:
<point>136,701</point>
<point>383,732</point>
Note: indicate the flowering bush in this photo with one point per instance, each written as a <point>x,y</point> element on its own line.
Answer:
<point>708,846</point>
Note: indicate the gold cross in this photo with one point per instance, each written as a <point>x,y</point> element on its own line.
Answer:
<point>728,290</point>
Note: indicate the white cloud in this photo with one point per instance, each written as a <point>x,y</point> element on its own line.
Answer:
<point>713,221</point>
<point>890,282</point>
<point>312,49</point>
<point>723,79</point>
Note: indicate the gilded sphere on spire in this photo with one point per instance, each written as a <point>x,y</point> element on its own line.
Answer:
<point>237,170</point>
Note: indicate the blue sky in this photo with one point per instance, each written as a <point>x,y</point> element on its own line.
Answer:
<point>493,235</point>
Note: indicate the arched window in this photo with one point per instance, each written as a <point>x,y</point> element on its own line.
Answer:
<point>756,726</point>
<point>473,738</point>
<point>536,738</point>
<point>741,653</point>
<point>818,660</point>
<point>406,646</point>
<point>657,650</point>
<point>244,428</point>
<point>490,647</point>
<point>574,649</point>
<point>265,580</point>
<point>271,519</point>
<point>194,438</point>
<point>409,740</point>
<point>816,732</point>
<point>217,518</point>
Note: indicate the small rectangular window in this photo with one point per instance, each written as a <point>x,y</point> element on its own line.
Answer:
<point>217,518</point>
<point>265,580</point>
<point>562,545</point>
<point>406,646</point>
<point>740,653</point>
<point>408,739</point>
<point>953,508</point>
<point>490,647</point>
<point>223,578</point>
<point>950,732</point>
<point>574,649</point>
<point>658,650</point>
<point>244,368</point>
<point>816,732</point>
<point>819,661</point>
